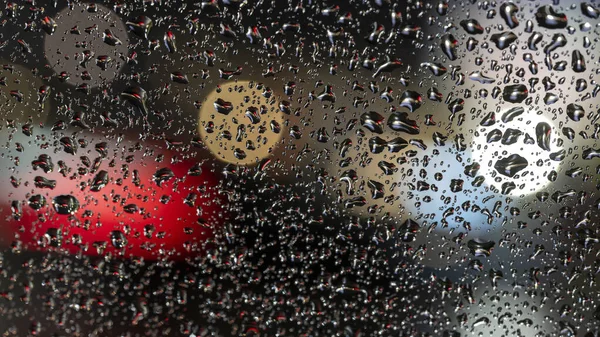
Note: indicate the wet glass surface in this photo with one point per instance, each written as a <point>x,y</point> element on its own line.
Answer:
<point>299,168</point>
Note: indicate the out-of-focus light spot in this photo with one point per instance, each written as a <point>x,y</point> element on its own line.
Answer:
<point>239,123</point>
<point>534,176</point>
<point>87,48</point>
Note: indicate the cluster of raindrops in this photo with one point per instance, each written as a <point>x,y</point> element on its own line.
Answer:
<point>299,168</point>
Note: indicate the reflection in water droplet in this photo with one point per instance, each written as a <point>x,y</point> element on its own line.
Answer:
<point>511,165</point>
<point>543,132</point>
<point>481,248</point>
<point>372,121</point>
<point>516,93</point>
<point>449,46</point>
<point>547,17</point>
<point>65,204</point>
<point>140,26</point>
<point>503,40</point>
<point>577,61</point>
<point>118,239</point>
<point>471,26</point>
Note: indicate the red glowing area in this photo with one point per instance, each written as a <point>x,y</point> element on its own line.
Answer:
<point>131,216</point>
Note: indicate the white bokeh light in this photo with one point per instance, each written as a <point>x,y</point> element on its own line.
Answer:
<point>531,179</point>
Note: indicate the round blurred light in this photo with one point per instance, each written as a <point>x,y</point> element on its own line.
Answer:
<point>533,177</point>
<point>87,47</point>
<point>240,123</point>
<point>24,95</point>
